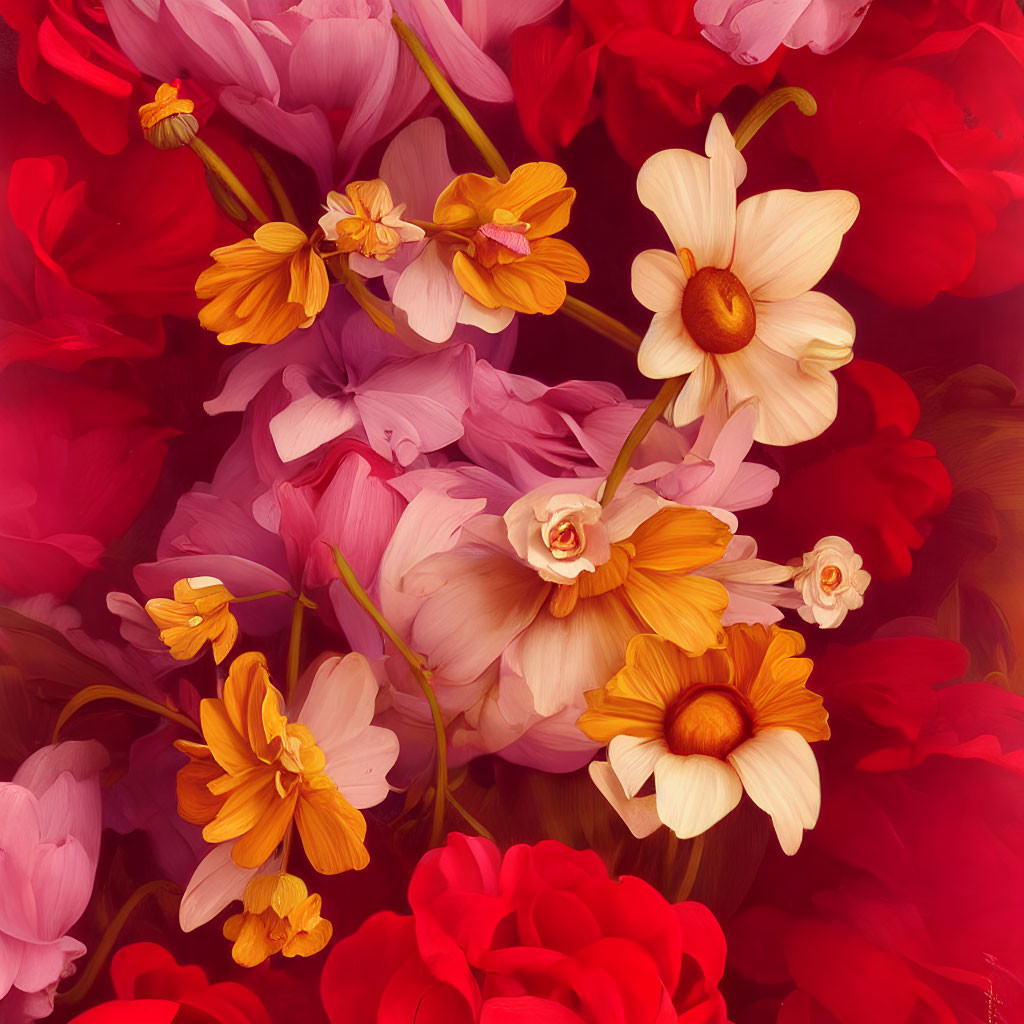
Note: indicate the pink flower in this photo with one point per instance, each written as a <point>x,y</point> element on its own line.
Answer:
<point>278,69</point>
<point>752,30</point>
<point>50,826</point>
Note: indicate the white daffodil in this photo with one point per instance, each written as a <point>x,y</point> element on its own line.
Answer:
<point>732,302</point>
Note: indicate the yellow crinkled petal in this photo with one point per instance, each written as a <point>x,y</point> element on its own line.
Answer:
<point>332,831</point>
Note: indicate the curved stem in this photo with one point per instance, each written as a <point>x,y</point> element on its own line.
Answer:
<point>259,597</point>
<point>294,649</point>
<point>602,323</point>
<point>218,167</point>
<point>469,819</point>
<point>109,939</point>
<point>422,675</point>
<point>449,98</point>
<point>284,203</point>
<point>103,691</point>
<point>692,867</point>
<point>769,104</point>
<point>650,415</point>
<point>356,287</point>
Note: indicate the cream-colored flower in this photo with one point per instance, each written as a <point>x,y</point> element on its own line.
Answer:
<point>733,303</point>
<point>708,729</point>
<point>831,582</point>
<point>366,220</point>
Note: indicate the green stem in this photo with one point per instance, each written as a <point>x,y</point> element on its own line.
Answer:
<point>769,104</point>
<point>650,415</point>
<point>102,691</point>
<point>218,167</point>
<point>294,649</point>
<point>422,675</point>
<point>601,323</point>
<point>469,819</point>
<point>449,98</point>
<point>284,203</point>
<point>106,944</point>
<point>692,867</point>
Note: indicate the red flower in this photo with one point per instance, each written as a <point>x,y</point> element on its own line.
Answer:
<point>904,907</point>
<point>67,55</point>
<point>542,934</point>
<point>922,116</point>
<point>866,479</point>
<point>152,988</point>
<point>655,72</point>
<point>77,463</point>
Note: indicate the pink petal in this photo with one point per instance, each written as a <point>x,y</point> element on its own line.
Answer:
<point>416,167</point>
<point>216,882</point>
<point>309,422</point>
<point>491,25</point>
<point>430,296</point>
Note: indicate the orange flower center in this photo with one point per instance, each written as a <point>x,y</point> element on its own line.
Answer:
<point>717,311</point>
<point>566,541</point>
<point>831,578</point>
<point>710,722</point>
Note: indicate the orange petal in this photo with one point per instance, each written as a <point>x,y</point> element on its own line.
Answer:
<point>230,749</point>
<point>241,810</point>
<point>561,258</point>
<point>266,833</point>
<point>684,609</point>
<point>196,804</point>
<point>679,539</point>
<point>332,831</point>
<point>529,185</point>
<point>549,215</point>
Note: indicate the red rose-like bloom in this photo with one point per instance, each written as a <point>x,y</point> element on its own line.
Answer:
<point>921,116</point>
<point>866,479</point>
<point>152,988</point>
<point>77,463</point>
<point>655,71</point>
<point>542,934</point>
<point>68,56</point>
<point>904,905</point>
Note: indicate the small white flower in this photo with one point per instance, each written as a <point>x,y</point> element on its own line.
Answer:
<point>831,582</point>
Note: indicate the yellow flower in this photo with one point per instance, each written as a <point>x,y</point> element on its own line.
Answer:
<point>365,220</point>
<point>278,917</point>
<point>199,612</point>
<point>263,288</point>
<point>510,260</point>
<point>257,772</point>
<point>709,728</point>
<point>167,122</point>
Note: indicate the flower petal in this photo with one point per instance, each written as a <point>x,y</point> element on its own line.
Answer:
<point>789,326</point>
<point>215,883</point>
<point>640,813</point>
<point>658,279</point>
<point>694,792</point>
<point>667,349</point>
<point>633,760</point>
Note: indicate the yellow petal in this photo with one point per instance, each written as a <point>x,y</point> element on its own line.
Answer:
<point>332,831</point>
<point>679,539</point>
<point>684,609</point>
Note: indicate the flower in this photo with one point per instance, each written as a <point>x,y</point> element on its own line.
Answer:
<point>77,464</point>
<point>709,728</point>
<point>263,287</point>
<point>752,30</point>
<point>510,260</point>
<point>483,600</point>
<point>732,302</point>
<point>50,825</point>
<point>152,988</point>
<point>366,220</point>
<point>199,612</point>
<point>831,582</point>
<point>259,771</point>
<point>66,55</point>
<point>168,122</point>
<point>540,934</point>
<point>279,916</point>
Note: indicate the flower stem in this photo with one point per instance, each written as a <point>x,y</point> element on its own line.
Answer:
<point>219,168</point>
<point>104,692</point>
<point>659,404</point>
<point>294,649</point>
<point>470,820</point>
<point>422,675</point>
<point>284,204</point>
<point>109,939</point>
<point>602,323</point>
<point>449,98</point>
<point>769,104</point>
<point>692,867</point>
<point>356,287</point>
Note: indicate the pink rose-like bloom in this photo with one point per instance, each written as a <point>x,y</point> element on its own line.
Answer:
<point>322,79</point>
<point>752,30</point>
<point>541,934</point>
<point>50,823</point>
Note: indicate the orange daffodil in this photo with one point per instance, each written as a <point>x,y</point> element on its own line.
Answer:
<point>732,302</point>
<point>708,729</point>
<point>365,220</point>
<point>261,769</point>
<point>199,612</point>
<point>262,288</point>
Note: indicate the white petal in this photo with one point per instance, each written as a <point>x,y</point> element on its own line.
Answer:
<point>633,760</point>
<point>786,240</point>
<point>493,321</point>
<point>694,792</point>
<point>791,325</point>
<point>780,775</point>
<point>215,883</point>
<point>796,401</point>
<point>698,393</point>
<point>658,279</point>
<point>694,197</point>
<point>667,349</point>
<point>640,814</point>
